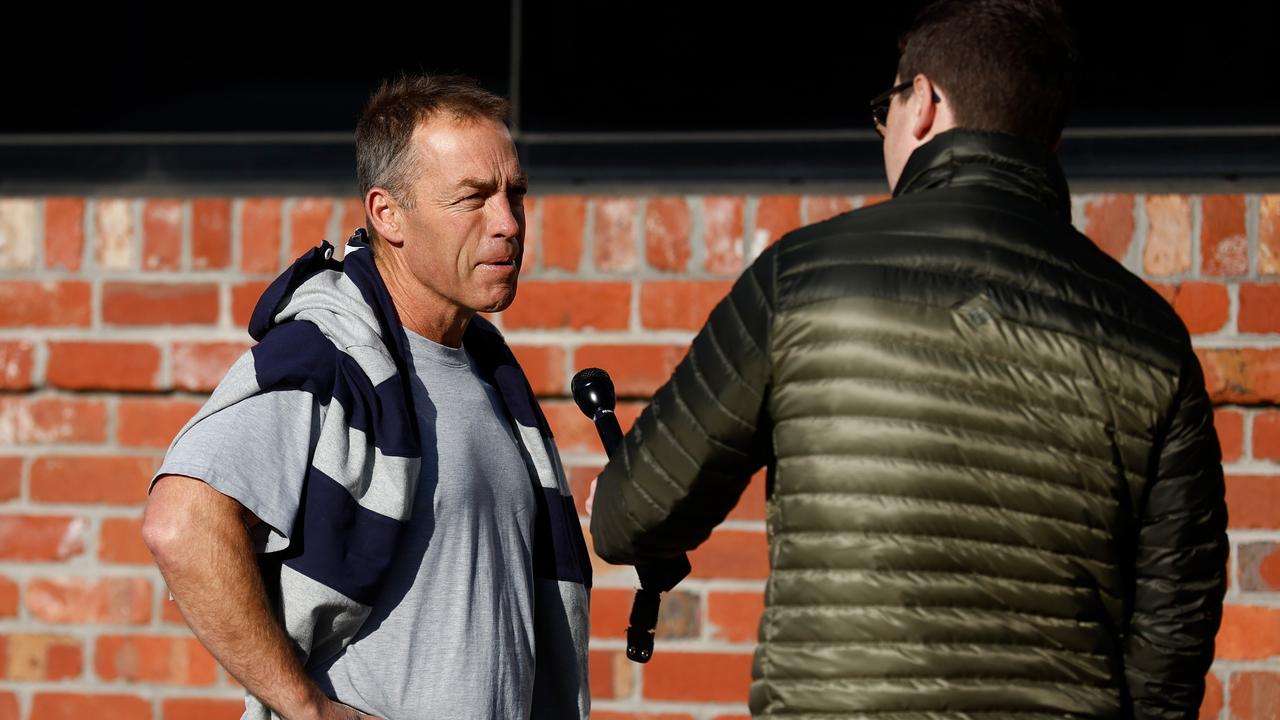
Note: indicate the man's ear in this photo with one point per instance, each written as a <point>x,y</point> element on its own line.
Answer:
<point>384,212</point>
<point>924,111</point>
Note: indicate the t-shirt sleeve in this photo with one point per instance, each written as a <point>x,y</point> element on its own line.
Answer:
<point>257,451</point>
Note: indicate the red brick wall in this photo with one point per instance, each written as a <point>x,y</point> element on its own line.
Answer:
<point>117,315</point>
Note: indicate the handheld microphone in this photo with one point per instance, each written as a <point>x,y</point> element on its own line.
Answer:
<point>593,392</point>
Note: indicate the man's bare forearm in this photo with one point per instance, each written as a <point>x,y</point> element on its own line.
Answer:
<point>210,566</point>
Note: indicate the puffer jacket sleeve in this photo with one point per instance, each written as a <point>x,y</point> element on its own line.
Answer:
<point>686,461</point>
<point>1180,563</point>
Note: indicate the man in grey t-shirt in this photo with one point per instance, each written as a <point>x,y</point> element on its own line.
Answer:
<point>451,631</point>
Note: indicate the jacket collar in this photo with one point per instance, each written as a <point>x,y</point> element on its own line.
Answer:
<point>972,157</point>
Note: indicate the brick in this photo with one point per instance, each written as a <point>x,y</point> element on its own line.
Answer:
<point>580,478</point>
<point>103,366</point>
<point>1245,376</point>
<point>162,235</point>
<point>261,225</point>
<point>622,715</point>
<point>1109,223</point>
<point>19,226</point>
<point>1266,435</point>
<point>723,234</point>
<point>170,613</point>
<point>751,505</point>
<point>29,303</point>
<point>679,617</point>
<point>1165,290</point>
<point>564,219</point>
<point>8,598</point>
<point>74,706</point>
<point>41,538</point>
<point>351,216</point>
<point>610,610</point>
<point>1255,695</point>
<point>152,422</point>
<point>574,433</point>
<point>1259,308</point>
<point>1259,566</point>
<point>1230,427</point>
<point>199,367</point>
<point>168,660</point>
<point>64,233</point>
<point>576,305</point>
<point>637,370</point>
<point>121,542</point>
<point>697,676</point>
<point>78,600</point>
<point>1203,306</point>
<point>92,479</point>
<point>1224,244</point>
<point>210,234</point>
<point>735,616</point>
<point>131,303</point>
<point>816,208</point>
<point>309,224</point>
<point>16,362</point>
<point>113,234</point>
<point>1248,633</point>
<point>529,241</point>
<point>776,215</point>
<point>1168,248</point>
<point>201,709</point>
<point>1253,501</point>
<point>244,298</point>
<point>42,657</point>
<point>1269,235</point>
<point>615,234</point>
<point>667,228</point>
<point>679,305</point>
<point>10,478</point>
<point>1211,706</point>
<point>735,554</point>
<point>41,420</point>
<point>544,365</point>
<point>611,676</point>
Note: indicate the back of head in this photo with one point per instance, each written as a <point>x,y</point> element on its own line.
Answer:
<point>1005,65</point>
<point>384,154</point>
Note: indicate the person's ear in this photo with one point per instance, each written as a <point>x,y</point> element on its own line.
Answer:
<point>923,108</point>
<point>384,213</point>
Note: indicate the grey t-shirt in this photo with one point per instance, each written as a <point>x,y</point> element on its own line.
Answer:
<point>451,635</point>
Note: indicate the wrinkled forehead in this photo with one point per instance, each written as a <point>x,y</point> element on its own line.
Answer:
<point>457,150</point>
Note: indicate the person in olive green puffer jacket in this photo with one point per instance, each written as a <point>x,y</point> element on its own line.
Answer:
<point>995,490</point>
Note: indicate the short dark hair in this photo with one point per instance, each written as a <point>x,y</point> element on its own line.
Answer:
<point>1005,65</point>
<point>397,108</point>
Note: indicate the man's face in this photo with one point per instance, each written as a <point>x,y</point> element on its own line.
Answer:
<point>898,140</point>
<point>464,235</point>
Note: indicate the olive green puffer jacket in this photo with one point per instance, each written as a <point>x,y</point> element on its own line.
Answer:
<point>995,490</point>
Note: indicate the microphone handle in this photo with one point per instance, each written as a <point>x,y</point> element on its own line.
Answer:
<point>609,430</point>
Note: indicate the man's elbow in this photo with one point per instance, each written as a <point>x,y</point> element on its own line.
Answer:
<point>164,524</point>
<point>178,509</point>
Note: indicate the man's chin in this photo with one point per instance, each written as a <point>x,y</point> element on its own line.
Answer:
<point>498,304</point>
